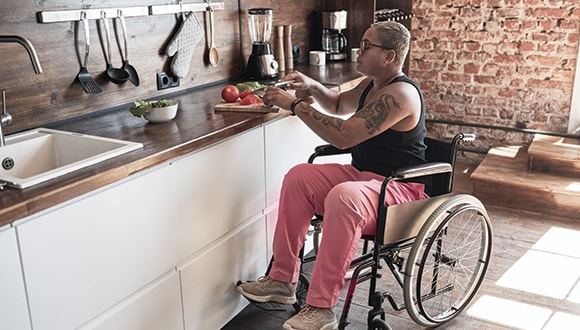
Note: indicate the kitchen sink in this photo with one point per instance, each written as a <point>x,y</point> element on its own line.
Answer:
<point>38,155</point>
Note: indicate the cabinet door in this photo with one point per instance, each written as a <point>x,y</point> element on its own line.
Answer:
<point>157,306</point>
<point>219,188</point>
<point>288,142</point>
<point>271,220</point>
<point>13,309</point>
<point>83,258</point>
<point>210,298</point>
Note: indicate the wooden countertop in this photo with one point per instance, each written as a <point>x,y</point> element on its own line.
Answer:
<point>195,127</point>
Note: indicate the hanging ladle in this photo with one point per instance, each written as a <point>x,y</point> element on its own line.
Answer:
<point>214,57</point>
<point>116,75</point>
<point>131,71</point>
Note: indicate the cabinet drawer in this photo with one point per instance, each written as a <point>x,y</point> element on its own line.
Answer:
<point>288,142</point>
<point>157,306</point>
<point>87,256</point>
<point>210,298</point>
<point>13,309</point>
<point>218,189</point>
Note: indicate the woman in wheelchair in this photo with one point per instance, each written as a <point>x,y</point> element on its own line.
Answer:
<point>385,131</point>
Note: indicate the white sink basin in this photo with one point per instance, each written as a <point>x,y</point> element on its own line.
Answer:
<point>38,155</point>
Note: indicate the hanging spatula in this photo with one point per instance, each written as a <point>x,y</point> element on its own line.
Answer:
<point>86,80</point>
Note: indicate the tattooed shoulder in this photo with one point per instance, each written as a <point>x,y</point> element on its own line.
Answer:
<point>376,112</point>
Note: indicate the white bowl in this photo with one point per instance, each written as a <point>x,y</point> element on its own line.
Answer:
<point>161,115</point>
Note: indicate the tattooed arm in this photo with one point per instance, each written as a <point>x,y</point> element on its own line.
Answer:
<point>396,106</point>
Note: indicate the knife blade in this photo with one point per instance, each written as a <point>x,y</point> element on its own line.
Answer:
<point>280,84</point>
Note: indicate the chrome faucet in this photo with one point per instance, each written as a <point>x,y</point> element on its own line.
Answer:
<point>5,117</point>
<point>29,48</point>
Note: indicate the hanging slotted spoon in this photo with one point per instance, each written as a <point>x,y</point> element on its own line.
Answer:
<point>133,76</point>
<point>86,80</point>
<point>116,75</point>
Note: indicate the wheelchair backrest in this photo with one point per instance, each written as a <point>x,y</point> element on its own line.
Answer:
<point>403,221</point>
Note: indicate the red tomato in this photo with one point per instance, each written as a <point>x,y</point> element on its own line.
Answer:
<point>245,93</point>
<point>251,99</point>
<point>230,93</point>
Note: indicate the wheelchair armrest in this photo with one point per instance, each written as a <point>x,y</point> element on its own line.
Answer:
<point>327,150</point>
<point>414,171</point>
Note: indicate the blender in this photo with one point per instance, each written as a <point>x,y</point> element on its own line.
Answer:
<point>261,64</point>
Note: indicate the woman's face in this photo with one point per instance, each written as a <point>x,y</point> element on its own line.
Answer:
<point>371,54</point>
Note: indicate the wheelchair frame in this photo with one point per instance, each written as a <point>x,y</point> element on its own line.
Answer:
<point>439,245</point>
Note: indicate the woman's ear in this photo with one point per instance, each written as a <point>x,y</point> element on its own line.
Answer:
<point>391,54</point>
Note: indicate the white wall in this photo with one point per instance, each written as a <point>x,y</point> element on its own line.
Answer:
<point>574,121</point>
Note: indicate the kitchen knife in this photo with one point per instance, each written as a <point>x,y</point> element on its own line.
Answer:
<point>280,84</point>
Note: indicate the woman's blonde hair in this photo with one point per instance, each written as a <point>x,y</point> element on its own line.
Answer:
<point>394,35</point>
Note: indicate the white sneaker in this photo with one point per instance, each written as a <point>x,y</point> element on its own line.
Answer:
<point>312,318</point>
<point>266,289</point>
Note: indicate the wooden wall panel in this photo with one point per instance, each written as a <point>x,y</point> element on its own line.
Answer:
<point>55,95</point>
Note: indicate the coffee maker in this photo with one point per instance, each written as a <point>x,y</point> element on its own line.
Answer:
<point>261,64</point>
<point>333,40</point>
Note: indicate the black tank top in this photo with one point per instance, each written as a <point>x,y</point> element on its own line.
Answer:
<point>392,149</point>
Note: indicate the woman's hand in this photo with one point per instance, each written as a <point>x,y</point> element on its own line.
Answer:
<point>278,97</point>
<point>298,80</point>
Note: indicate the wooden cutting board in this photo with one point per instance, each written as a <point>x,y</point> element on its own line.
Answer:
<point>236,107</point>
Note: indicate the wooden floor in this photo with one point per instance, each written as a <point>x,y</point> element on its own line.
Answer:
<point>533,281</point>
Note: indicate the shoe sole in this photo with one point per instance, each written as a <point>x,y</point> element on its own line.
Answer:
<point>263,299</point>
<point>331,326</point>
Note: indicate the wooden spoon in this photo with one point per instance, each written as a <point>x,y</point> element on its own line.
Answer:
<point>214,57</point>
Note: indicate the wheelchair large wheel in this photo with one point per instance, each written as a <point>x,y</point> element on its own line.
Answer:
<point>448,261</point>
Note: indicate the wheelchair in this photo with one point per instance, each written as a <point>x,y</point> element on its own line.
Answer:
<point>437,249</point>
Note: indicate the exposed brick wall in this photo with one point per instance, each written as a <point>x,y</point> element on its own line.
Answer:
<point>496,62</point>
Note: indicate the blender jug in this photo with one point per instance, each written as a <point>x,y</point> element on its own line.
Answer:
<point>261,64</point>
<point>260,21</point>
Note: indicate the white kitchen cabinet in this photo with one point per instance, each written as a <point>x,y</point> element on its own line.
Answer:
<point>208,280</point>
<point>172,239</point>
<point>157,306</point>
<point>271,220</point>
<point>13,308</point>
<point>81,259</point>
<point>288,142</point>
<point>219,188</point>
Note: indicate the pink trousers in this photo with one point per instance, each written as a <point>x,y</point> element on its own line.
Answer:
<point>348,200</point>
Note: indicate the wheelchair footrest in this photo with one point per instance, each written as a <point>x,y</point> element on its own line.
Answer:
<point>270,306</point>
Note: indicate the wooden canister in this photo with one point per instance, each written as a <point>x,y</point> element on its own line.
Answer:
<point>288,47</point>
<point>279,47</point>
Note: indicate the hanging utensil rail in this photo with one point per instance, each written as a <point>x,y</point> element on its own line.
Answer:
<point>74,15</point>
<point>180,8</point>
<point>95,13</point>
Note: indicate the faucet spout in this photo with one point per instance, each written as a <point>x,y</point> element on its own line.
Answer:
<point>5,119</point>
<point>29,48</point>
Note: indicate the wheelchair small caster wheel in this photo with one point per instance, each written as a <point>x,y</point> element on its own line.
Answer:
<point>301,291</point>
<point>377,324</point>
